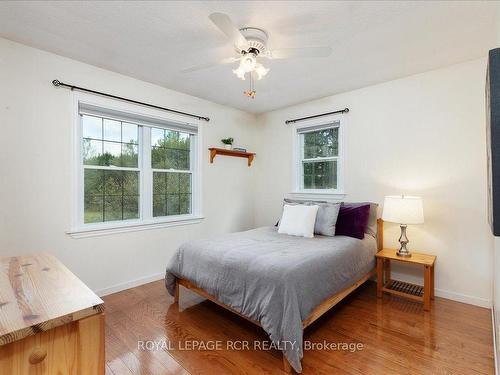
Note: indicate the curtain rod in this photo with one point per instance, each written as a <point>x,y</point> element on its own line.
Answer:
<point>72,87</point>
<point>345,110</point>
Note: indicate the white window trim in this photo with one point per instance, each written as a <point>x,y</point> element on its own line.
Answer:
<point>78,228</point>
<point>298,191</point>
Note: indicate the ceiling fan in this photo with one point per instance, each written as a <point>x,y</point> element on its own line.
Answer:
<point>250,44</point>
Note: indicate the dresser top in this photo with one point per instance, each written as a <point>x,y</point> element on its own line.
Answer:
<point>38,293</point>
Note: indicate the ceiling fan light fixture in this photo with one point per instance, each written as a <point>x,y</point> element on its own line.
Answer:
<point>261,71</point>
<point>248,62</point>
<point>240,73</point>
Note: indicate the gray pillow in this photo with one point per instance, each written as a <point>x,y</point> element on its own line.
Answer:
<point>326,217</point>
<point>371,228</point>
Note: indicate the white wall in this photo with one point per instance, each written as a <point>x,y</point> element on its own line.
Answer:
<point>421,135</point>
<point>36,165</point>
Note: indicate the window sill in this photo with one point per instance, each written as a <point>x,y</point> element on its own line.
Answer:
<point>318,194</point>
<point>115,228</point>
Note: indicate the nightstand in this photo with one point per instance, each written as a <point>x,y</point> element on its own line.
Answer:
<point>401,288</point>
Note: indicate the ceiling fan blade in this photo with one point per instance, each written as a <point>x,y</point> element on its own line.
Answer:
<point>224,23</point>
<point>229,60</point>
<point>289,53</point>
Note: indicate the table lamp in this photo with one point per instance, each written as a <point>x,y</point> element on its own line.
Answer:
<point>404,210</point>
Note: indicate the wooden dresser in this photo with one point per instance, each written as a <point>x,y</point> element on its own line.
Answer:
<point>50,321</point>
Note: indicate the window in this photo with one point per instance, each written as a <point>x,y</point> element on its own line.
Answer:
<point>134,169</point>
<point>318,162</point>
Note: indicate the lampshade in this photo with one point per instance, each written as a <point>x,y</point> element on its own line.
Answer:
<point>403,209</point>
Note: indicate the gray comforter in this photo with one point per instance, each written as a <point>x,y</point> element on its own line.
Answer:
<point>273,278</point>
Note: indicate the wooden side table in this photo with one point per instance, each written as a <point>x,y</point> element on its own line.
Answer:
<point>401,288</point>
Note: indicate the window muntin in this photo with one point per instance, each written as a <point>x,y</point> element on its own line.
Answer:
<point>319,158</point>
<point>321,143</point>
<point>110,195</point>
<point>109,142</point>
<point>172,174</point>
<point>121,173</point>
<point>320,175</point>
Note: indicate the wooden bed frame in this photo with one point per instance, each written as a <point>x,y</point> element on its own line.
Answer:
<point>322,308</point>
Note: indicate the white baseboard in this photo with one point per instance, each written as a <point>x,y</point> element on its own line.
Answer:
<point>459,297</point>
<point>493,323</point>
<point>129,284</point>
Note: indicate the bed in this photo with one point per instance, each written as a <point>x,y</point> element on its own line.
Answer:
<point>279,282</point>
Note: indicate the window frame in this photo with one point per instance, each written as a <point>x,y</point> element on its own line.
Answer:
<point>298,158</point>
<point>146,220</point>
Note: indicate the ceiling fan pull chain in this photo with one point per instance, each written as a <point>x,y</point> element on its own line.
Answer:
<point>251,91</point>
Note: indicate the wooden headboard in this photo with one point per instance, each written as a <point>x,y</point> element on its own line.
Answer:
<point>380,234</point>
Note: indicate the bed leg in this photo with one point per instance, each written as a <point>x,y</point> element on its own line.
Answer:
<point>176,292</point>
<point>286,366</point>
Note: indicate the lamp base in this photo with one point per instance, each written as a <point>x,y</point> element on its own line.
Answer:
<point>403,240</point>
<point>406,254</point>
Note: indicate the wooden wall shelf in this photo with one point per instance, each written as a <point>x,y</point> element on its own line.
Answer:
<point>214,151</point>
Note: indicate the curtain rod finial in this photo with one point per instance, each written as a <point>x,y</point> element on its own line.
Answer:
<point>346,110</point>
<point>56,82</point>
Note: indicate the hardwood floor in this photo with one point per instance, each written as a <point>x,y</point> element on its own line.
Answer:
<point>397,337</point>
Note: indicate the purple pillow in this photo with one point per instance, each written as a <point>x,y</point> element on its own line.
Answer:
<point>352,221</point>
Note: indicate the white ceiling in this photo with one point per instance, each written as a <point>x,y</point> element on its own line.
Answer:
<point>372,41</point>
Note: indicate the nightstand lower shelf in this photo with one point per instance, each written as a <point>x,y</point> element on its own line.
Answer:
<point>404,289</point>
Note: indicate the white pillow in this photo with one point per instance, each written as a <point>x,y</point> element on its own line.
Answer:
<point>298,220</point>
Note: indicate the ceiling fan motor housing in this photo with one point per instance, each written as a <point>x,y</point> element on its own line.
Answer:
<point>257,39</point>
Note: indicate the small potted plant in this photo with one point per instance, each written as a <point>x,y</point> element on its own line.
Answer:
<point>228,143</point>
